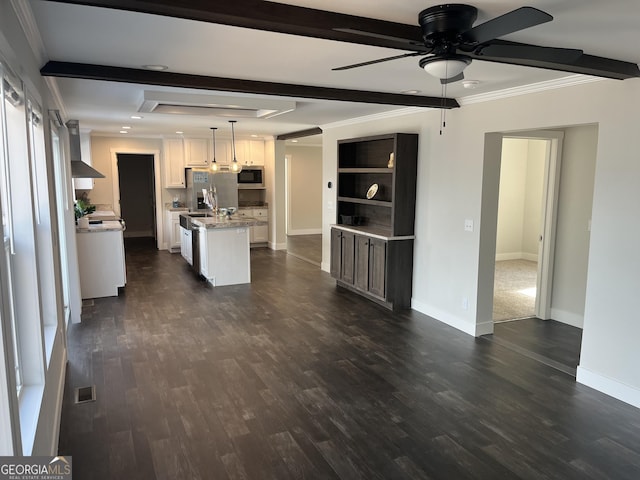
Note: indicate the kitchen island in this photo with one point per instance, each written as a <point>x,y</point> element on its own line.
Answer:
<point>223,248</point>
<point>101,259</point>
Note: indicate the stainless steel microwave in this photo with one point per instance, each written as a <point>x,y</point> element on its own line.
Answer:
<point>251,177</point>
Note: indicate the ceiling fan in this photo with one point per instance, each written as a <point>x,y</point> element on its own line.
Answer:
<point>450,42</point>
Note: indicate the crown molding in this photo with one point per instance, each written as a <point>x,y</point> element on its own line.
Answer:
<point>30,28</point>
<point>378,116</point>
<point>52,83</point>
<point>569,81</point>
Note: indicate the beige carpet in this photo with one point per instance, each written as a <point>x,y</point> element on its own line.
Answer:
<point>514,289</point>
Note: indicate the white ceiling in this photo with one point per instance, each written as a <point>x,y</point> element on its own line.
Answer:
<point>75,33</point>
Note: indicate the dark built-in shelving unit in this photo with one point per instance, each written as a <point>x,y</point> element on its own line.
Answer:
<point>372,242</point>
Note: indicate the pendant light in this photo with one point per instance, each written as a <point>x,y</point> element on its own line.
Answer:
<point>235,166</point>
<point>214,165</point>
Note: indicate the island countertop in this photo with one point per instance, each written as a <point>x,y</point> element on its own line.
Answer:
<point>226,222</point>
<point>105,226</point>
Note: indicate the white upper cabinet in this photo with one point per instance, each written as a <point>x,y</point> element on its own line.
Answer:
<point>224,154</point>
<point>197,152</point>
<point>173,153</point>
<point>250,152</point>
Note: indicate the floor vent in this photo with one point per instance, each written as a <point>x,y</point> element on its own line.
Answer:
<point>86,394</point>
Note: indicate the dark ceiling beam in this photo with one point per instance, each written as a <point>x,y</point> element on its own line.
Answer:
<point>300,133</point>
<point>276,17</point>
<point>183,80</point>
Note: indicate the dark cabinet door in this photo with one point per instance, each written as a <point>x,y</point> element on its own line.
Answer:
<point>348,257</point>
<point>377,267</point>
<point>361,279</point>
<point>336,253</point>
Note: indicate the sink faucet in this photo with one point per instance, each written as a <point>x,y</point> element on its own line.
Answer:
<point>214,200</point>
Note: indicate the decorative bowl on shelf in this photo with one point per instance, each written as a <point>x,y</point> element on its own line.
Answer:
<point>373,189</point>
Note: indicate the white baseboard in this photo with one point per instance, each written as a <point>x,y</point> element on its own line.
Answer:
<point>277,246</point>
<point>516,256</point>
<point>325,266</point>
<point>307,231</point>
<point>611,387</point>
<point>59,400</point>
<point>569,318</point>
<point>472,329</point>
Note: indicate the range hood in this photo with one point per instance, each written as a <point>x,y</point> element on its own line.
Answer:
<point>79,169</point>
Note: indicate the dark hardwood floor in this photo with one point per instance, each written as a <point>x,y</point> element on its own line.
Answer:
<point>289,377</point>
<point>306,247</point>
<point>554,343</point>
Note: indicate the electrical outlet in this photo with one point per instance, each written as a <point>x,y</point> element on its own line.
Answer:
<point>465,303</point>
<point>468,225</point>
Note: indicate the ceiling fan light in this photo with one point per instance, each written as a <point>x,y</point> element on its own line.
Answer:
<point>445,67</point>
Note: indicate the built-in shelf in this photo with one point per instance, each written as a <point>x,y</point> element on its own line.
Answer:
<point>372,242</point>
<point>366,201</point>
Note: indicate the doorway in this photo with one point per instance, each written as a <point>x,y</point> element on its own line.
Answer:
<point>140,204</point>
<point>528,189</point>
<point>520,211</point>
<point>303,199</point>
<point>553,333</point>
<point>137,203</point>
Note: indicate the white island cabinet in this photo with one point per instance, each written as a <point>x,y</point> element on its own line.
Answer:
<point>224,249</point>
<point>101,259</point>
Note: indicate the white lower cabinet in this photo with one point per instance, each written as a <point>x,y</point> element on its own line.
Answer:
<point>258,234</point>
<point>224,255</point>
<point>101,263</point>
<point>186,245</point>
<point>174,236</point>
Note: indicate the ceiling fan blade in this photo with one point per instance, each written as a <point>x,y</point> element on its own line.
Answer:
<point>585,64</point>
<point>531,52</point>
<point>514,21</point>
<point>380,60</point>
<point>457,78</point>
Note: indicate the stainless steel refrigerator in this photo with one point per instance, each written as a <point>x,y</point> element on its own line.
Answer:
<point>225,184</point>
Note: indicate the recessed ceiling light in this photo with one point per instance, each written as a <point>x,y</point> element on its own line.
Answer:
<point>126,127</point>
<point>157,68</point>
<point>470,84</point>
<point>136,117</point>
<point>123,131</point>
<point>254,135</point>
<point>410,92</point>
<point>179,132</point>
<point>294,141</point>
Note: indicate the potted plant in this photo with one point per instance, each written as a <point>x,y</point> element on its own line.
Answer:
<point>81,209</point>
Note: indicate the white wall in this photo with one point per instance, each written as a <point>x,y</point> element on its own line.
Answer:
<point>101,160</point>
<point>451,173</point>
<point>305,190</point>
<point>574,216</point>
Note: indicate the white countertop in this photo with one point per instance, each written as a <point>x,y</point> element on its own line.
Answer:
<point>226,222</point>
<point>105,226</point>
